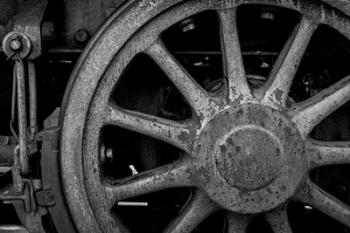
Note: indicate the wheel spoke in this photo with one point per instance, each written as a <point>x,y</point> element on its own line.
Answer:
<point>237,223</point>
<point>112,220</point>
<point>177,134</point>
<point>196,96</point>
<point>314,196</point>
<point>232,56</point>
<point>312,111</point>
<point>196,211</point>
<point>169,176</point>
<point>278,85</point>
<point>328,153</point>
<point>278,220</point>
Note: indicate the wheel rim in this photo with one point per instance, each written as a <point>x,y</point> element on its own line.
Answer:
<point>259,115</point>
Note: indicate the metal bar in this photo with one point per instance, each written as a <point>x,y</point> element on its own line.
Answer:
<point>4,169</point>
<point>23,193</point>
<point>12,229</point>
<point>22,117</point>
<point>132,203</point>
<point>64,50</point>
<point>32,99</point>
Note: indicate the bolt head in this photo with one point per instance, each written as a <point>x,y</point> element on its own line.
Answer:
<point>109,153</point>
<point>82,36</point>
<point>16,44</point>
<point>268,16</point>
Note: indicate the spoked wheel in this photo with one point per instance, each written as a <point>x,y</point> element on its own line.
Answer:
<point>244,150</point>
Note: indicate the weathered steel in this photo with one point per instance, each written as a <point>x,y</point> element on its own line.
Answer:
<point>232,56</point>
<point>199,208</point>
<point>314,196</point>
<point>50,174</point>
<point>12,229</point>
<point>10,193</point>
<point>174,175</point>
<point>278,220</point>
<point>86,15</point>
<point>33,110</point>
<point>313,110</point>
<point>16,45</point>
<point>327,153</point>
<point>284,71</point>
<point>247,150</point>
<point>172,132</point>
<point>22,116</point>
<point>28,21</point>
<point>237,223</point>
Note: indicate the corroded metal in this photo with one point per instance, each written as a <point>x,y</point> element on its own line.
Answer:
<point>278,220</point>
<point>199,208</point>
<point>50,174</point>
<point>256,162</point>
<point>237,223</point>
<point>312,111</point>
<point>13,229</point>
<point>22,116</point>
<point>28,21</point>
<point>287,64</point>
<point>247,152</point>
<point>32,86</point>
<point>16,45</point>
<point>232,57</point>
<point>314,196</point>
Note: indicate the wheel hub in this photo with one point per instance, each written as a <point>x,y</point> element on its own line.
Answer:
<point>250,158</point>
<point>254,162</point>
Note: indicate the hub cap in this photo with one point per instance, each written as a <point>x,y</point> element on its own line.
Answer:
<point>250,158</point>
<point>255,157</point>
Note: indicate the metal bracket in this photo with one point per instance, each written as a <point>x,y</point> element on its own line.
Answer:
<point>11,194</point>
<point>25,42</point>
<point>45,197</point>
<point>50,173</point>
<point>28,21</point>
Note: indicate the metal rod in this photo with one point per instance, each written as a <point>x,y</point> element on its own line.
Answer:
<point>32,99</point>
<point>12,229</point>
<point>16,176</point>
<point>22,117</point>
<point>132,203</point>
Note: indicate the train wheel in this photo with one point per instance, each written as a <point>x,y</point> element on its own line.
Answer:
<point>240,149</point>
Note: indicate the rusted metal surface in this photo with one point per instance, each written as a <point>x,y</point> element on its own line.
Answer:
<point>247,152</point>
<point>87,16</point>
<point>278,220</point>
<point>199,208</point>
<point>29,214</point>
<point>237,223</point>
<point>11,193</point>
<point>313,195</point>
<point>232,56</point>
<point>24,42</point>
<point>287,64</point>
<point>28,21</point>
<point>51,179</point>
<point>22,116</point>
<point>8,9</point>
<point>12,229</point>
<point>32,86</point>
<point>16,45</point>
<point>32,221</point>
